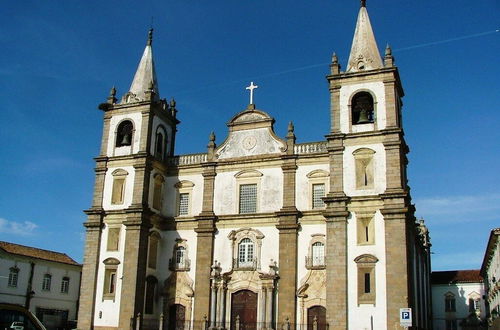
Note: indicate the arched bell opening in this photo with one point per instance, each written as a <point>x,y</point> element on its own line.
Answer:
<point>362,106</point>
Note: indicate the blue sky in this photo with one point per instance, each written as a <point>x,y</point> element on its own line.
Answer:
<point>59,60</point>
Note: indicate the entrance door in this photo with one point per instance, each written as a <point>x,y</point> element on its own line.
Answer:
<point>176,317</point>
<point>318,312</point>
<point>244,305</point>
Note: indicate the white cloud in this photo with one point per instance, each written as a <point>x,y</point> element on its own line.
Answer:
<point>17,228</point>
<point>458,205</point>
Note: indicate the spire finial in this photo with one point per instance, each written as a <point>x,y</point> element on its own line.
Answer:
<point>363,3</point>
<point>335,59</point>
<point>150,37</point>
<point>388,50</point>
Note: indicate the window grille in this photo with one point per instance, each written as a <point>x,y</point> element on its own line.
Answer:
<point>248,198</point>
<point>65,285</point>
<point>318,192</point>
<point>47,278</point>
<point>13,276</point>
<point>318,254</point>
<point>183,203</point>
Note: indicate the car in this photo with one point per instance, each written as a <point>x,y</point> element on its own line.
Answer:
<point>16,317</point>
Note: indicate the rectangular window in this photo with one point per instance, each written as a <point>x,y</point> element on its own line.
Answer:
<point>153,252</point>
<point>449,304</point>
<point>46,282</point>
<point>183,204</point>
<point>65,285</point>
<point>248,198</point>
<point>318,192</point>
<point>365,231</point>
<point>13,276</point>
<point>109,282</point>
<point>113,239</point>
<point>367,283</point>
<point>118,191</point>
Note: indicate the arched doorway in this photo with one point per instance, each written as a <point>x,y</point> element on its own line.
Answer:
<point>176,317</point>
<point>318,313</point>
<point>244,305</point>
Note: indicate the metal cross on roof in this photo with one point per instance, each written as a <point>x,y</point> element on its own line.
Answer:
<point>251,88</point>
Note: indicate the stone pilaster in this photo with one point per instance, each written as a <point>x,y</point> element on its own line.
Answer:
<point>105,134</point>
<point>134,266</point>
<point>397,268</point>
<point>205,230</point>
<point>288,241</point>
<point>391,104</point>
<point>334,107</point>
<point>336,238</point>
<point>90,269</point>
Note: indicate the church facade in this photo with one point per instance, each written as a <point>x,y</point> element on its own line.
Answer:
<point>258,232</point>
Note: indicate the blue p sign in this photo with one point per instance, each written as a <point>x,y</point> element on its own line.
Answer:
<point>406,315</point>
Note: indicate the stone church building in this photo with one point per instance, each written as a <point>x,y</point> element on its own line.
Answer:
<point>257,232</point>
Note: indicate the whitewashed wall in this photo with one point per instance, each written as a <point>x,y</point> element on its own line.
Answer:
<point>107,310</point>
<point>360,315</point>
<point>269,196</point>
<point>461,292</point>
<point>303,193</point>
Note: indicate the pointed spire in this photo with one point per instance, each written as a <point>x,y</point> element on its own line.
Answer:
<point>364,52</point>
<point>145,76</point>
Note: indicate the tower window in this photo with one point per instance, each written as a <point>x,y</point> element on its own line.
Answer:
<point>363,161</point>
<point>124,134</point>
<point>362,108</point>
<point>158,191</point>
<point>159,145</point>
<point>118,192</point>
<point>154,239</point>
<point>366,278</point>
<point>365,229</point>
<point>248,198</point>
<point>151,282</point>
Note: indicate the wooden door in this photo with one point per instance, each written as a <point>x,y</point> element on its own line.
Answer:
<point>244,305</point>
<point>318,312</point>
<point>176,317</point>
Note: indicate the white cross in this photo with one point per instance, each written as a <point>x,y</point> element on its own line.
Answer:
<point>251,88</point>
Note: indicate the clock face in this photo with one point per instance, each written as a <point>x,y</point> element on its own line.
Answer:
<point>249,142</point>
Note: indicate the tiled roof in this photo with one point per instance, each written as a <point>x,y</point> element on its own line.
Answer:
<point>32,252</point>
<point>456,276</point>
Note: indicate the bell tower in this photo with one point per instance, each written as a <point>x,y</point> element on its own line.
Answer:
<point>138,137</point>
<point>368,212</point>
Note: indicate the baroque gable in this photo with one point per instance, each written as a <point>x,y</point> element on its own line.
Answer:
<point>251,133</point>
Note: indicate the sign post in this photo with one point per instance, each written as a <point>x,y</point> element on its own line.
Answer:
<point>405,317</point>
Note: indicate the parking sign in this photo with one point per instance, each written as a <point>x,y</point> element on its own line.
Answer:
<point>405,317</point>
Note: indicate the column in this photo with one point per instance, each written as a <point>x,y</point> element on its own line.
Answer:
<point>262,311</point>
<point>269,308</point>
<point>213,305</point>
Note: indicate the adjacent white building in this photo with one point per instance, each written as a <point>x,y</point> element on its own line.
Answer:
<point>458,300</point>
<point>490,270</point>
<point>45,282</point>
